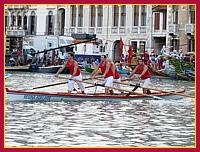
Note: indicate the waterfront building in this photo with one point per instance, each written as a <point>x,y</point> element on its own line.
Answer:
<point>144,27</point>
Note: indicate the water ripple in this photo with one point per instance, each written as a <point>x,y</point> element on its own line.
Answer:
<point>101,123</point>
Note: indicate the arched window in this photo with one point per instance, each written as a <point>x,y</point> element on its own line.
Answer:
<point>13,19</point>
<point>25,22</point>
<point>19,20</point>
<point>33,23</point>
<point>50,25</point>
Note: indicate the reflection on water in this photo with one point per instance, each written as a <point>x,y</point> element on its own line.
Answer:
<point>98,123</point>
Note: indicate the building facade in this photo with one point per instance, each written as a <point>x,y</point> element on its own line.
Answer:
<point>144,27</point>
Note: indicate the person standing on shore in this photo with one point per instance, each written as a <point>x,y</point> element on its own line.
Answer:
<point>75,73</point>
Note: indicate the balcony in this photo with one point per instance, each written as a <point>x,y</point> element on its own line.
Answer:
<point>99,30</point>
<point>91,30</point>
<point>134,30</point>
<point>15,33</point>
<point>18,7</point>
<point>173,29</point>
<point>189,29</point>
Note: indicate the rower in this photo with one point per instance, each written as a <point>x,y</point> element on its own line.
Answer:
<point>116,76</point>
<point>75,73</point>
<point>142,69</point>
<point>107,72</point>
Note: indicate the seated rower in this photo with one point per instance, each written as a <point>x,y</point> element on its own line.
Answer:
<point>142,69</point>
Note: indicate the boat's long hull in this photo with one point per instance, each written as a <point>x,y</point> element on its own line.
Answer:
<point>17,95</point>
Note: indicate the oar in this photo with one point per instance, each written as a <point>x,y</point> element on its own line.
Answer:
<point>49,85</point>
<point>59,83</point>
<point>147,95</point>
<point>180,94</point>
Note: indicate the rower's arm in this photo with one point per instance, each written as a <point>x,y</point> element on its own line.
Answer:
<point>75,69</point>
<point>60,70</point>
<point>95,72</point>
<point>113,68</point>
<point>133,72</point>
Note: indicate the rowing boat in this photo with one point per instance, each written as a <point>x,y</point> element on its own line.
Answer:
<point>21,95</point>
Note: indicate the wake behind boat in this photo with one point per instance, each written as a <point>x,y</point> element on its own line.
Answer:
<point>21,95</point>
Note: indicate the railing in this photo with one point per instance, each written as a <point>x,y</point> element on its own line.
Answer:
<point>15,33</point>
<point>114,30</point>
<point>99,30</point>
<point>173,29</point>
<point>189,29</point>
<point>122,30</point>
<point>134,29</point>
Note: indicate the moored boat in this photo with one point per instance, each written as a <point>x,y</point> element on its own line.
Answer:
<point>21,95</point>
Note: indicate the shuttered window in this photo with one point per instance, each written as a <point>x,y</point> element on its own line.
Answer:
<point>136,15</point>
<point>93,16</point>
<point>100,16</point>
<point>123,15</point>
<point>116,15</point>
<point>164,20</point>
<point>73,22</point>
<point>157,21</point>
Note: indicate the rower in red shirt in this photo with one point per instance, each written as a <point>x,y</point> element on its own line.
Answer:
<point>107,72</point>
<point>142,69</point>
<point>75,73</point>
<point>116,75</point>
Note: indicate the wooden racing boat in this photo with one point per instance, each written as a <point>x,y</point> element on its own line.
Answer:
<point>21,95</point>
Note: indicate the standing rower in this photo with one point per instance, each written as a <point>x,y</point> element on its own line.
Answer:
<point>75,73</point>
<point>107,72</point>
<point>116,75</point>
<point>142,69</point>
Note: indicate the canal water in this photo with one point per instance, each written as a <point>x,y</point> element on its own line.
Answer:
<point>137,123</point>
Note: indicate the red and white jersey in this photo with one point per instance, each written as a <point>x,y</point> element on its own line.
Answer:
<point>103,69</point>
<point>71,68</point>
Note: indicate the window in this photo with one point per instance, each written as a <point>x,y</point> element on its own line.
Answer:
<point>191,46</point>
<point>123,15</point>
<point>73,22</point>
<point>136,15</point>
<point>175,14</point>
<point>50,23</point>
<point>19,20</point>
<point>25,23</point>
<point>13,20</point>
<point>164,20</point>
<point>143,15</point>
<point>192,14</point>
<point>116,15</point>
<point>157,21</point>
<point>93,16</point>
<point>33,23</point>
<point>100,16</point>
<point>134,45</point>
<point>80,16</point>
